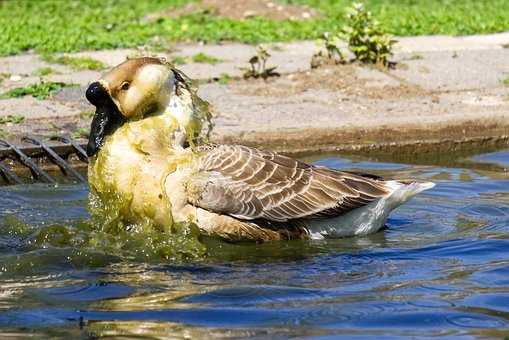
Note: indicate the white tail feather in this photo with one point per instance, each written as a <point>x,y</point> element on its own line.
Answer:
<point>371,217</point>
<point>403,192</point>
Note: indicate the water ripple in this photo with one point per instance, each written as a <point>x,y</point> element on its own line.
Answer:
<point>440,269</point>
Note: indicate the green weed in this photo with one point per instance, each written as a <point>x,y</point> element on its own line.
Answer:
<point>87,114</point>
<point>178,60</point>
<point>54,127</point>
<point>505,81</point>
<point>4,75</point>
<point>258,66</point>
<point>76,63</point>
<point>12,119</point>
<point>204,58</point>
<point>40,91</point>
<point>366,38</point>
<point>329,51</point>
<point>43,71</point>
<point>224,79</point>
<point>81,133</point>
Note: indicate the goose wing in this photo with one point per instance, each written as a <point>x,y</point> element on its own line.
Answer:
<point>247,183</point>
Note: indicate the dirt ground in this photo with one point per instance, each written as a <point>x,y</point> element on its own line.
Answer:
<point>442,89</point>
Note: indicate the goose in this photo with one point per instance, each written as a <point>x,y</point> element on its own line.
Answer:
<point>150,163</point>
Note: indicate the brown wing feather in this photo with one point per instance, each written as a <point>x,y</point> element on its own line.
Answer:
<point>252,184</point>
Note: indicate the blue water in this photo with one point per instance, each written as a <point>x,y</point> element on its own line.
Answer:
<point>441,268</point>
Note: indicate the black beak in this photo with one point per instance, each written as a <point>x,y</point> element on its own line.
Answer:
<point>106,120</point>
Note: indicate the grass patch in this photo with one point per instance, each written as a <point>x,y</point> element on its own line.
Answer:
<point>12,119</point>
<point>505,81</point>
<point>40,91</point>
<point>67,26</point>
<point>43,71</point>
<point>178,60</point>
<point>87,114</point>
<point>76,63</point>
<point>4,76</point>
<point>224,79</point>
<point>204,58</point>
<point>81,133</point>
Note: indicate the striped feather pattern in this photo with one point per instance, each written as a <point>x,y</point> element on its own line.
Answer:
<point>248,184</point>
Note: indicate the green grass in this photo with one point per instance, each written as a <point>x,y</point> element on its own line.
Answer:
<point>4,76</point>
<point>178,60</point>
<point>43,71</point>
<point>505,81</point>
<point>87,114</point>
<point>40,91</point>
<point>68,26</point>
<point>13,119</point>
<point>81,133</point>
<point>224,79</point>
<point>204,58</point>
<point>76,63</point>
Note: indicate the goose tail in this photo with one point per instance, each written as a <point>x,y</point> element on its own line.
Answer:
<point>404,191</point>
<point>371,217</point>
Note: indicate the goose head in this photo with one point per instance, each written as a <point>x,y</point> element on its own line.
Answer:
<point>137,89</point>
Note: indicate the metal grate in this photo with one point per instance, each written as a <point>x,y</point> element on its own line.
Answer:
<point>36,155</point>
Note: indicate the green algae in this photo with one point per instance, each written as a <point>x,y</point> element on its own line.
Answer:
<point>93,243</point>
<point>201,110</point>
<point>142,239</point>
<point>119,228</point>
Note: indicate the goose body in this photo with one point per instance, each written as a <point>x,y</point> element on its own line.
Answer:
<point>157,167</point>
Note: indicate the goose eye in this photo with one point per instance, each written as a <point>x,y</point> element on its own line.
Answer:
<point>125,85</point>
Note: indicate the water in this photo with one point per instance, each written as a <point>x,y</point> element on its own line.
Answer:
<point>441,268</point>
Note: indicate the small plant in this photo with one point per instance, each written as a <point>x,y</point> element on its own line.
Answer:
<point>54,127</point>
<point>43,71</point>
<point>40,91</point>
<point>81,133</point>
<point>365,37</point>
<point>4,76</point>
<point>505,81</point>
<point>178,60</point>
<point>76,63</point>
<point>12,119</point>
<point>204,58</point>
<point>258,66</point>
<point>86,114</point>
<point>329,51</point>
<point>224,79</point>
